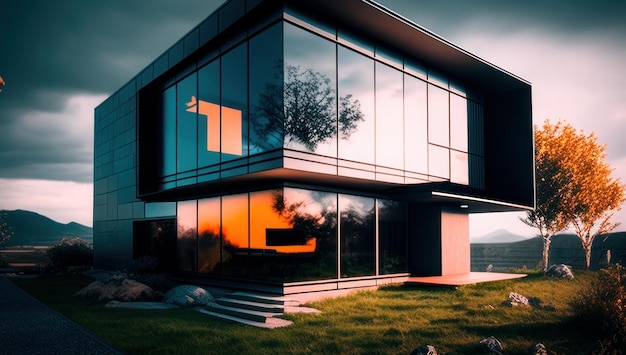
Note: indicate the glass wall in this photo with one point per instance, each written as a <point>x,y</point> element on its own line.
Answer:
<point>290,87</point>
<point>356,89</point>
<point>289,235</point>
<point>357,227</point>
<point>309,93</point>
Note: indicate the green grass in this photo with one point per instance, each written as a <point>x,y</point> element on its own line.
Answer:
<point>392,320</point>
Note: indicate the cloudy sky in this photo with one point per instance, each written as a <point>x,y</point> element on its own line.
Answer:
<point>60,59</point>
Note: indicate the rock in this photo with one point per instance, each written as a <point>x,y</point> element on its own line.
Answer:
<point>188,296</point>
<point>515,300</point>
<point>561,271</point>
<point>492,345</point>
<point>538,349</point>
<point>119,289</point>
<point>424,350</point>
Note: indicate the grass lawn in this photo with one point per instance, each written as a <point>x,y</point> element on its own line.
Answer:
<point>392,320</point>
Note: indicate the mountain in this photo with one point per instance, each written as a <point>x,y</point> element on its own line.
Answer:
<point>564,249</point>
<point>33,229</point>
<point>498,236</point>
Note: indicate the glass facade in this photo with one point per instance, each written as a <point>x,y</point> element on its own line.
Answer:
<point>291,234</point>
<point>291,88</point>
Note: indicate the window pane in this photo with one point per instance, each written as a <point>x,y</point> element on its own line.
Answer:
<point>309,96</point>
<point>438,118</point>
<point>389,117</point>
<point>314,217</point>
<point>357,236</point>
<point>168,116</point>
<point>356,109</point>
<point>186,245</point>
<point>209,241</point>
<point>392,234</point>
<point>415,125</point>
<point>459,167</point>
<point>209,114</point>
<point>235,235</point>
<point>187,124</point>
<point>458,123</point>
<point>266,90</point>
<point>438,161</point>
<point>234,106</point>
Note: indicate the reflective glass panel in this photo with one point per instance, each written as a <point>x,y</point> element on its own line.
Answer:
<point>209,241</point>
<point>235,244</point>
<point>168,114</point>
<point>459,167</point>
<point>356,107</point>
<point>309,96</point>
<point>438,117</point>
<point>186,244</point>
<point>314,218</point>
<point>392,236</point>
<point>357,236</point>
<point>234,105</point>
<point>458,123</point>
<point>389,117</point>
<point>266,90</point>
<point>415,125</point>
<point>187,124</point>
<point>208,103</point>
<point>439,161</point>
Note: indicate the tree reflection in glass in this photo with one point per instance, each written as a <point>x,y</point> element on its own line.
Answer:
<point>358,236</point>
<point>312,217</point>
<point>303,108</point>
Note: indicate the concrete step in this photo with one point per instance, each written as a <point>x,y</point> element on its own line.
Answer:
<point>251,315</point>
<point>250,305</point>
<point>269,323</point>
<point>263,298</point>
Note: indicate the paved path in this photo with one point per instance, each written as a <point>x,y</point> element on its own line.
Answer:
<point>29,327</point>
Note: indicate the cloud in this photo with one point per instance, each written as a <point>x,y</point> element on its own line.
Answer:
<point>50,145</point>
<point>58,68</point>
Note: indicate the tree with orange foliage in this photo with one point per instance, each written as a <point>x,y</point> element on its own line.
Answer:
<point>551,181</point>
<point>595,196</point>
<point>574,186</point>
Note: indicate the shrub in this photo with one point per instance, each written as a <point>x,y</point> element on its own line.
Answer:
<point>71,252</point>
<point>601,308</point>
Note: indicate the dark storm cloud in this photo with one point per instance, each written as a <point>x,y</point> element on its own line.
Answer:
<point>52,51</point>
<point>446,17</point>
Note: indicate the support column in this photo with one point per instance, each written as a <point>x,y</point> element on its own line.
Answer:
<point>438,240</point>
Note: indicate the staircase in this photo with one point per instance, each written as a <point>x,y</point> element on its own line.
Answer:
<point>252,309</point>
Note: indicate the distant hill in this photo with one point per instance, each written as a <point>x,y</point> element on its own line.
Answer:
<point>498,236</point>
<point>564,249</point>
<point>33,229</point>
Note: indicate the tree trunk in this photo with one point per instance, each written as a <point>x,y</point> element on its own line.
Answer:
<point>546,250</point>
<point>587,248</point>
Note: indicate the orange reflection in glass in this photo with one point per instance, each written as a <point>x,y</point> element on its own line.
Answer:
<point>230,126</point>
<point>264,217</point>
<point>235,220</point>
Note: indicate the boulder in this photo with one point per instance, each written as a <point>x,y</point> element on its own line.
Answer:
<point>492,345</point>
<point>561,271</point>
<point>424,350</point>
<point>188,296</point>
<point>516,300</point>
<point>118,288</point>
<point>538,349</point>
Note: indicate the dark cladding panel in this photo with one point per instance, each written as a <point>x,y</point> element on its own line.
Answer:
<point>232,11</point>
<point>509,147</point>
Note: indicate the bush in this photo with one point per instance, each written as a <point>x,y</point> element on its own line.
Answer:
<point>601,308</point>
<point>71,252</point>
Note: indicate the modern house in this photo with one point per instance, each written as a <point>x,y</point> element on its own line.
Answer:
<point>295,146</point>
